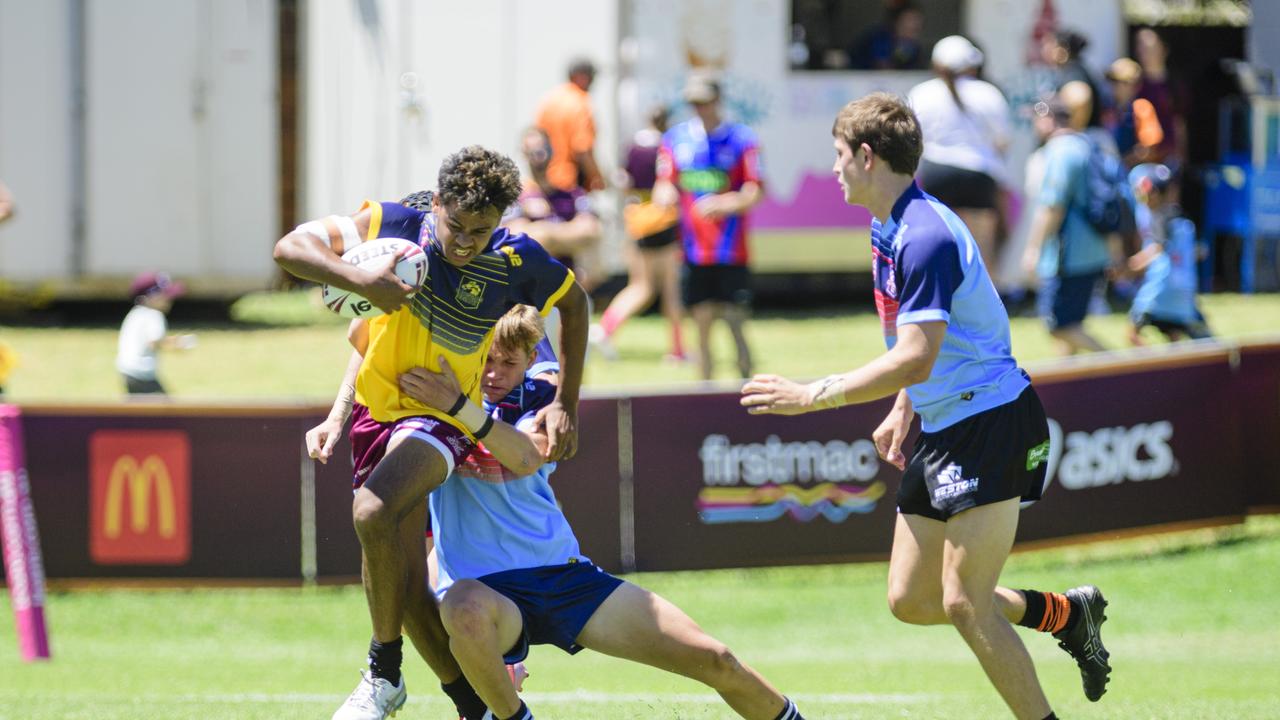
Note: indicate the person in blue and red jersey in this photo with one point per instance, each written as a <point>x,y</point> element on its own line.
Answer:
<point>984,440</point>
<point>402,448</point>
<point>711,168</point>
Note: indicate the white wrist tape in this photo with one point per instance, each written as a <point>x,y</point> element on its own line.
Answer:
<point>315,229</point>
<point>828,392</point>
<point>347,226</point>
<point>472,415</point>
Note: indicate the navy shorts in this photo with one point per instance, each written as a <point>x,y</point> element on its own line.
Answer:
<point>990,457</point>
<point>1063,301</point>
<point>555,602</point>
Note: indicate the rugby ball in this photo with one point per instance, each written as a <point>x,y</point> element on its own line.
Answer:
<point>411,268</point>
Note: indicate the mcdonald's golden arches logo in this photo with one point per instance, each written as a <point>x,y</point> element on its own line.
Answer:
<point>140,497</point>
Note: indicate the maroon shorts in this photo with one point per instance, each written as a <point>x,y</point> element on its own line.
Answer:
<point>369,440</point>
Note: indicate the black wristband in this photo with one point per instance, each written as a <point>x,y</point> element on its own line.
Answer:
<point>462,400</point>
<point>485,428</point>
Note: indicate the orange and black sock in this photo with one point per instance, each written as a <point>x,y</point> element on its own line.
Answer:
<point>1049,612</point>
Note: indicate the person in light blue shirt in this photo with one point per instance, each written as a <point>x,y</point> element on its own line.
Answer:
<point>985,439</point>
<point>511,573</point>
<point>1064,251</point>
<point>1166,299</point>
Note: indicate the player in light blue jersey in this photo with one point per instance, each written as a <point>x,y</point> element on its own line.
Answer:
<point>511,572</point>
<point>1166,299</point>
<point>985,439</point>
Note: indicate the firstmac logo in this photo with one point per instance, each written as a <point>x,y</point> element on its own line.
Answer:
<point>140,497</point>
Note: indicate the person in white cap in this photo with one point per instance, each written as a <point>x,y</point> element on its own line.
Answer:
<point>965,122</point>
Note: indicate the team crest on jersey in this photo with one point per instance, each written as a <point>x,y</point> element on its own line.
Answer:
<point>470,293</point>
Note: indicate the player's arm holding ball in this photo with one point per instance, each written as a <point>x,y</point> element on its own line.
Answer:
<point>313,251</point>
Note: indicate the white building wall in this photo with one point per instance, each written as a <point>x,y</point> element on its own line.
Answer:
<point>393,86</point>
<point>35,155</point>
<point>178,152</point>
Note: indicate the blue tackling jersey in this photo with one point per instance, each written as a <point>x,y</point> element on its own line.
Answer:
<point>487,520</point>
<point>927,268</point>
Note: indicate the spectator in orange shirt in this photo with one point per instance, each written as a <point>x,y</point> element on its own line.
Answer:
<point>1134,120</point>
<point>565,115</point>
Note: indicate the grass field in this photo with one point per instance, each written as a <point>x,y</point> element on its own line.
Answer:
<point>1192,630</point>
<point>286,346</point>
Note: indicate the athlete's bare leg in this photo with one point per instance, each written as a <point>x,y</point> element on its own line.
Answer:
<point>977,543</point>
<point>638,293</point>
<point>400,483</point>
<point>635,624</point>
<point>421,616</point>
<point>667,268</point>
<point>483,624</point>
<point>735,315</point>
<point>915,575</point>
<point>704,316</point>
<point>1074,339</point>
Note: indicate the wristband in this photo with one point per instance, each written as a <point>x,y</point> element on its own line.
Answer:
<point>457,405</point>
<point>485,428</point>
<point>827,393</point>
<point>473,416</point>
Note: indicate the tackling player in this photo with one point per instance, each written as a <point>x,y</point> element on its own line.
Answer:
<point>984,440</point>
<point>403,449</point>
<point>511,573</point>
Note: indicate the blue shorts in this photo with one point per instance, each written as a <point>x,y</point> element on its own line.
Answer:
<point>1063,301</point>
<point>555,602</point>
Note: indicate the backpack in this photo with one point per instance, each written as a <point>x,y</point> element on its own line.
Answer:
<point>1108,208</point>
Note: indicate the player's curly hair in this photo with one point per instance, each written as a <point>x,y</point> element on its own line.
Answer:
<point>475,178</point>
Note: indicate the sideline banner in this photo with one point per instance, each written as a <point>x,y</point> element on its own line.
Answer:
<point>586,488</point>
<point>24,570</point>
<point>716,487</point>
<point>167,492</point>
<point>1131,448</point>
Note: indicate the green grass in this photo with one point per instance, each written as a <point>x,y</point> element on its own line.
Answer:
<point>287,346</point>
<point>1192,630</point>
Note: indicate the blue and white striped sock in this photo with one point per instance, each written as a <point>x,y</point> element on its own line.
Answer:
<point>789,711</point>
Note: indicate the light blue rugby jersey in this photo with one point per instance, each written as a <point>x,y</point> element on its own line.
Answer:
<point>927,268</point>
<point>1168,289</point>
<point>487,520</point>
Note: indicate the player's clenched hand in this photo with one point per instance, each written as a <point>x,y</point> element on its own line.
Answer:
<point>434,389</point>
<point>889,436</point>
<point>775,395</point>
<point>383,288</point>
<point>322,438</point>
<point>562,431</point>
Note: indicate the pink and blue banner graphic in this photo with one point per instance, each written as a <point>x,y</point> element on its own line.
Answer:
<point>23,568</point>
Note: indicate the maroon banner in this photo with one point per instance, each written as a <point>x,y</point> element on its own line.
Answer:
<point>716,487</point>
<point>179,495</point>
<point>586,486</point>
<point>1146,447</point>
<point>1259,408</point>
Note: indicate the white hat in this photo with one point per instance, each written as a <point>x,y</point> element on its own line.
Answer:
<point>956,53</point>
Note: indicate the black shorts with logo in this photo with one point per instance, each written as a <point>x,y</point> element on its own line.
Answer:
<point>995,455</point>
<point>715,283</point>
